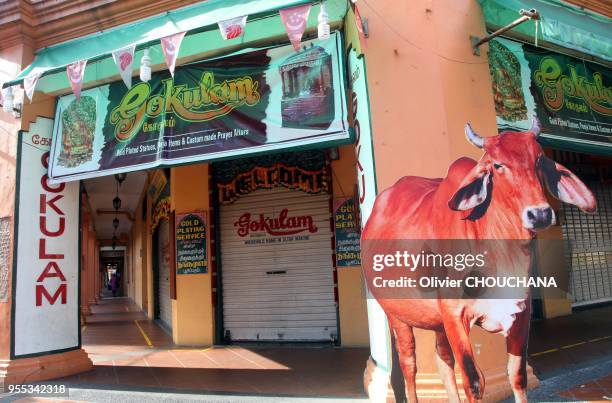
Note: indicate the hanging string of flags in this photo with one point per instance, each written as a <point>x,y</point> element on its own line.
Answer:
<point>295,20</point>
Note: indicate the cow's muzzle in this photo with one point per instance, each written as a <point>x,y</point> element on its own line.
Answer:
<point>538,217</point>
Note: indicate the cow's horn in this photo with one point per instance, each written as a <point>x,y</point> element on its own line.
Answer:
<point>473,137</point>
<point>535,126</point>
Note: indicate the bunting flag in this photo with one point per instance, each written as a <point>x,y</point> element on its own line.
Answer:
<point>359,24</point>
<point>170,46</point>
<point>232,28</point>
<point>124,58</point>
<point>29,84</point>
<point>1,94</point>
<point>295,20</point>
<point>76,71</point>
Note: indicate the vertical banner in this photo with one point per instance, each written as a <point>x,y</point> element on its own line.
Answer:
<point>46,252</point>
<point>190,230</point>
<point>346,233</point>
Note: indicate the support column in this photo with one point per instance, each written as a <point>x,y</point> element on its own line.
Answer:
<point>15,53</point>
<point>97,275</point>
<point>91,266</point>
<point>84,260</point>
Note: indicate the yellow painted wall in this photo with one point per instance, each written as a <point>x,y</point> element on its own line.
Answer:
<point>136,257</point>
<point>424,85</point>
<point>351,292</point>
<point>192,311</point>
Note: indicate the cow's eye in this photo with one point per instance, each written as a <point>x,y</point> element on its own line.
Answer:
<point>497,166</point>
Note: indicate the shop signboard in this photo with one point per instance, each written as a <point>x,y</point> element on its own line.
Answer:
<point>46,252</point>
<point>346,233</point>
<point>250,102</point>
<point>191,243</point>
<point>572,98</point>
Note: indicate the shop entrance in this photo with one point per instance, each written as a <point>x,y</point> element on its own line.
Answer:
<point>277,260</point>
<point>161,269</point>
<point>589,236</point>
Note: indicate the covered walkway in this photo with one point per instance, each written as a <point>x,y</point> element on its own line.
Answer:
<point>131,352</point>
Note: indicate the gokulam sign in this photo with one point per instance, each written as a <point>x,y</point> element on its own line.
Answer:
<point>46,275</point>
<point>281,228</point>
<point>263,100</point>
<point>347,234</point>
<point>191,243</point>
<point>571,97</point>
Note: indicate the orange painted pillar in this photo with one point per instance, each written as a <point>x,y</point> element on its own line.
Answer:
<point>97,275</point>
<point>84,260</point>
<point>91,267</point>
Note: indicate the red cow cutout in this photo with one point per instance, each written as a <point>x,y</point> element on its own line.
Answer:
<point>499,197</point>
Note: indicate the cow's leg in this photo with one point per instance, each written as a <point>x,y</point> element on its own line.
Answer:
<point>404,341</point>
<point>516,344</point>
<point>457,330</point>
<point>446,366</point>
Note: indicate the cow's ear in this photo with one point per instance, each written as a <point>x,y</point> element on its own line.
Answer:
<point>473,190</point>
<point>565,186</point>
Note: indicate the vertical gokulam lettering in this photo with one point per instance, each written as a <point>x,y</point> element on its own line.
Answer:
<point>50,215</point>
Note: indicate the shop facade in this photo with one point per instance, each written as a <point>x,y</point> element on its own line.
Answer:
<point>247,229</point>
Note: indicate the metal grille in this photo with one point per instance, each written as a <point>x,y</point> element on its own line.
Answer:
<point>5,243</point>
<point>589,247</point>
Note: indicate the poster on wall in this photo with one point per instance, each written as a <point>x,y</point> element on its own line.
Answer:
<point>249,102</point>
<point>571,97</point>
<point>346,233</point>
<point>46,252</point>
<point>191,243</point>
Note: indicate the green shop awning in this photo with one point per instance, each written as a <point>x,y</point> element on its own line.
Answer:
<point>202,40</point>
<point>561,24</point>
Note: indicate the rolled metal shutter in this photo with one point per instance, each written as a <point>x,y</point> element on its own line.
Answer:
<point>278,287</point>
<point>163,278</point>
<point>589,248</point>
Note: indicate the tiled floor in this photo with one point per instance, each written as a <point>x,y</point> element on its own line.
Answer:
<point>116,337</point>
<point>596,391</point>
<point>558,344</point>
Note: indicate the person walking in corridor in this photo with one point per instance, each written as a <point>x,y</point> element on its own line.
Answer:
<point>114,283</point>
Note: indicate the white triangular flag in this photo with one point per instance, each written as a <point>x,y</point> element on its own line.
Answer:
<point>76,71</point>
<point>170,46</point>
<point>232,28</point>
<point>124,58</point>
<point>29,84</point>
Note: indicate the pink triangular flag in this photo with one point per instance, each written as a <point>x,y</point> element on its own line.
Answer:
<point>232,28</point>
<point>29,84</point>
<point>359,24</point>
<point>170,46</point>
<point>295,20</point>
<point>1,94</point>
<point>124,58</point>
<point>76,71</point>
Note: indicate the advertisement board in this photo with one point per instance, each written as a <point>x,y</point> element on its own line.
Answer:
<point>191,243</point>
<point>46,257</point>
<point>346,232</point>
<point>570,96</point>
<point>249,102</point>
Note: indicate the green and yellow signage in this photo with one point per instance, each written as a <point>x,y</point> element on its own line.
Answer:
<point>571,97</point>
<point>250,102</point>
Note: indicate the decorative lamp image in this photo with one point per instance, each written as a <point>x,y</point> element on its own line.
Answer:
<point>78,126</point>
<point>308,92</point>
<point>507,87</point>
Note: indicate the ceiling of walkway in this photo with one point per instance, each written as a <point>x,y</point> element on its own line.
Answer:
<point>101,192</point>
